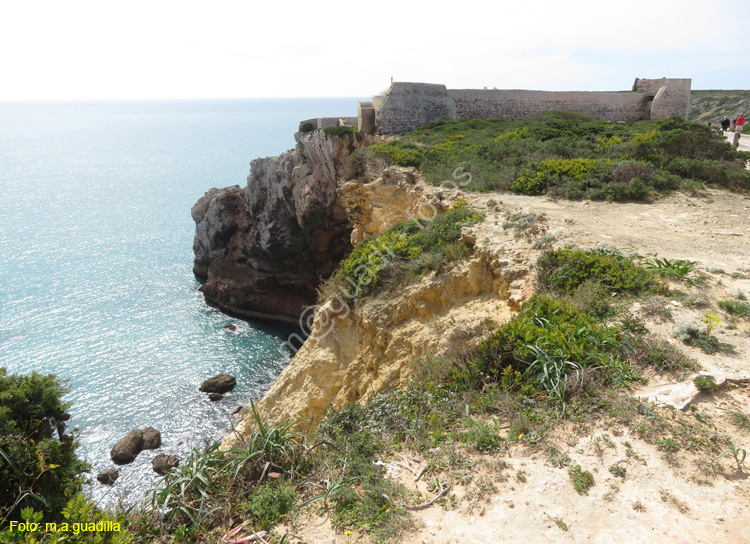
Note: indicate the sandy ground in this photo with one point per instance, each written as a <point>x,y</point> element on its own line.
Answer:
<point>656,502</point>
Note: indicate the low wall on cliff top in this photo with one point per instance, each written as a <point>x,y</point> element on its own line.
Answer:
<point>509,104</point>
<point>405,106</point>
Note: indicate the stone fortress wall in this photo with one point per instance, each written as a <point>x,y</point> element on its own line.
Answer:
<point>405,106</point>
<point>323,122</point>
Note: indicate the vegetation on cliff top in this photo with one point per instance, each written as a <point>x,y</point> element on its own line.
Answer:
<point>571,155</point>
<point>404,252</point>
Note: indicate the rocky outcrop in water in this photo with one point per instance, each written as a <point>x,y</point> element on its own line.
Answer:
<point>137,440</point>
<point>264,249</point>
<point>221,383</point>
<point>162,463</point>
<point>108,476</point>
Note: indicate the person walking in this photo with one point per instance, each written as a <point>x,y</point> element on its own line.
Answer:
<point>725,123</point>
<point>740,123</point>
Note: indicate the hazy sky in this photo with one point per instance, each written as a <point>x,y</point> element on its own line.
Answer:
<point>102,49</point>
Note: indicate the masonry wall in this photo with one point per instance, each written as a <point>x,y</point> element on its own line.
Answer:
<point>406,106</point>
<point>409,105</point>
<point>509,104</point>
<point>671,96</point>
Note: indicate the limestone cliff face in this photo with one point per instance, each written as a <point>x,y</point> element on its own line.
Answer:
<point>355,352</point>
<point>397,195</point>
<point>264,249</point>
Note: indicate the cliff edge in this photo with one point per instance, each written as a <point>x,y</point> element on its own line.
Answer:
<point>355,351</point>
<point>264,249</point>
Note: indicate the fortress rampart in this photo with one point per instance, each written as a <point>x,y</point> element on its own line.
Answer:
<point>405,106</point>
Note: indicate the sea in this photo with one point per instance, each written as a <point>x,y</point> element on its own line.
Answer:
<point>96,282</point>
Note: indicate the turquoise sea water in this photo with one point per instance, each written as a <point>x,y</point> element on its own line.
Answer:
<point>96,280</point>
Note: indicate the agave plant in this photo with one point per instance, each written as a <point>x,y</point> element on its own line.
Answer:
<point>666,268</point>
<point>190,489</point>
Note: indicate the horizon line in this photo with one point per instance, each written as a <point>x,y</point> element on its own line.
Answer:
<point>89,100</point>
<point>50,101</point>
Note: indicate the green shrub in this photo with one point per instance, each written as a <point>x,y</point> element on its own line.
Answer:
<point>550,346</point>
<point>571,155</point>
<point>415,248</point>
<point>482,436</point>
<point>633,324</point>
<point>668,445</point>
<point>591,297</point>
<point>655,352</point>
<point>396,154</point>
<point>530,224</point>
<point>38,465</point>
<point>582,480</point>
<point>700,338</point>
<point>270,504</point>
<point>675,268</point>
<point>735,307</point>
<point>740,420</point>
<point>371,508</point>
<point>74,526</point>
<point>353,445</point>
<point>201,486</point>
<point>564,270</point>
<point>307,127</point>
<point>706,384</point>
<point>361,271</point>
<point>341,132</point>
<point>535,184</point>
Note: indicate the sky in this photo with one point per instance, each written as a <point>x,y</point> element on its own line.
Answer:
<point>81,50</point>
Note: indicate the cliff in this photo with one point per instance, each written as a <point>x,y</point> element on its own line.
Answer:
<point>354,352</point>
<point>264,249</point>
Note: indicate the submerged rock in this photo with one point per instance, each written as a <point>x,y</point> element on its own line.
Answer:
<point>221,383</point>
<point>215,397</point>
<point>108,476</point>
<point>163,462</point>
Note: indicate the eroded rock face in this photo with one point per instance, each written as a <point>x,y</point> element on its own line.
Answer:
<point>264,249</point>
<point>373,347</point>
<point>399,194</point>
<point>353,353</point>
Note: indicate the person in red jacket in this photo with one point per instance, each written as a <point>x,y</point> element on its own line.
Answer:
<point>740,123</point>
